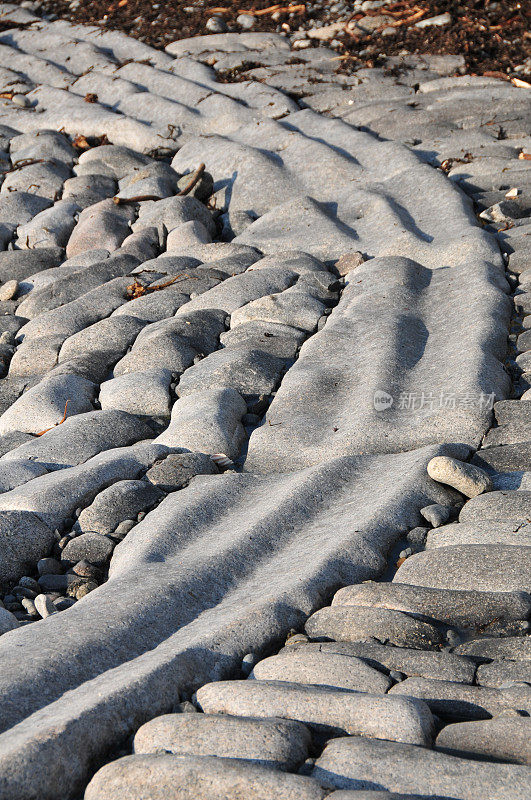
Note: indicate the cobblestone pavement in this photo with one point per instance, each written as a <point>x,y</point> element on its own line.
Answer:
<point>265,422</point>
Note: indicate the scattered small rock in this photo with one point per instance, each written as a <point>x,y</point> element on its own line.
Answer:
<point>62,603</point>
<point>49,566</point>
<point>8,290</point>
<point>82,589</point>
<point>301,44</point>
<point>29,607</point>
<point>248,662</point>
<point>202,189</point>
<point>297,638</point>
<point>29,583</point>
<point>21,100</point>
<point>440,19</point>
<point>436,514</point>
<point>124,527</point>
<point>245,21</point>
<point>417,537</point>
<point>45,605</point>
<point>90,546</point>
<point>348,262</point>
<point>22,591</point>
<point>466,478</point>
<point>216,25</point>
<point>85,570</point>
<point>396,676</point>
<point>326,32</point>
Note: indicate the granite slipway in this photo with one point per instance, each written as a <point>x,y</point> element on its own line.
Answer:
<point>231,562</point>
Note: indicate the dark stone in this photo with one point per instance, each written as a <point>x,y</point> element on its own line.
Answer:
<point>178,469</point>
<point>505,458</point>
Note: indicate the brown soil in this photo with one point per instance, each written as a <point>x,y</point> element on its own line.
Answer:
<point>492,36</point>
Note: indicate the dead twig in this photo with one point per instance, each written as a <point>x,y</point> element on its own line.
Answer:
<point>139,198</point>
<point>137,289</point>
<point>291,9</point>
<point>408,20</point>
<point>194,179</point>
<point>56,424</point>
<point>27,162</point>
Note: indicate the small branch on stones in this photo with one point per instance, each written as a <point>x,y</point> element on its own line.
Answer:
<point>56,424</point>
<point>194,179</point>
<point>137,289</point>
<point>122,201</point>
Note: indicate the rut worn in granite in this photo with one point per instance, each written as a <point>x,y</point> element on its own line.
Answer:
<point>145,324</point>
<point>130,625</point>
<point>363,387</point>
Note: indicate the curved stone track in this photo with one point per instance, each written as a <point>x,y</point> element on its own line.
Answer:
<point>145,331</point>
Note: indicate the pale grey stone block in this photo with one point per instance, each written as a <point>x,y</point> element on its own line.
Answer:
<point>342,672</point>
<point>44,405</point>
<point>322,707</point>
<point>359,623</point>
<point>168,777</point>
<point>453,607</point>
<point>456,701</point>
<point>120,501</point>
<point>145,393</point>
<point>473,567</point>
<point>207,421</point>
<point>360,763</point>
<point>428,663</point>
<point>278,743</point>
<point>505,738</point>
<point>466,478</point>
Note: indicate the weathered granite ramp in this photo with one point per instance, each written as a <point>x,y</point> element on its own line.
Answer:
<point>430,336</point>
<point>152,315</point>
<point>213,573</point>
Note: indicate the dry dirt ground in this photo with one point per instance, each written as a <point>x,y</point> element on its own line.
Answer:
<point>494,37</point>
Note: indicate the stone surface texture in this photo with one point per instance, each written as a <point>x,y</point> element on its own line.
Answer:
<point>220,406</point>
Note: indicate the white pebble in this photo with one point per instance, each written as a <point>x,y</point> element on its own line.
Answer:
<point>21,100</point>
<point>245,21</point>
<point>8,290</point>
<point>466,478</point>
<point>44,606</point>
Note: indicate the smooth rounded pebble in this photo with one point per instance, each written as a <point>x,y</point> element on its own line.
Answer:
<point>360,623</point>
<point>21,100</point>
<point>357,763</point>
<point>466,478</point>
<point>272,742</point>
<point>323,708</point>
<point>169,777</point>
<point>45,605</point>
<point>507,738</point>
<point>343,672</point>
<point>8,290</point>
<point>428,663</point>
<point>457,701</point>
<point>454,607</point>
<point>8,621</point>
<point>474,567</point>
